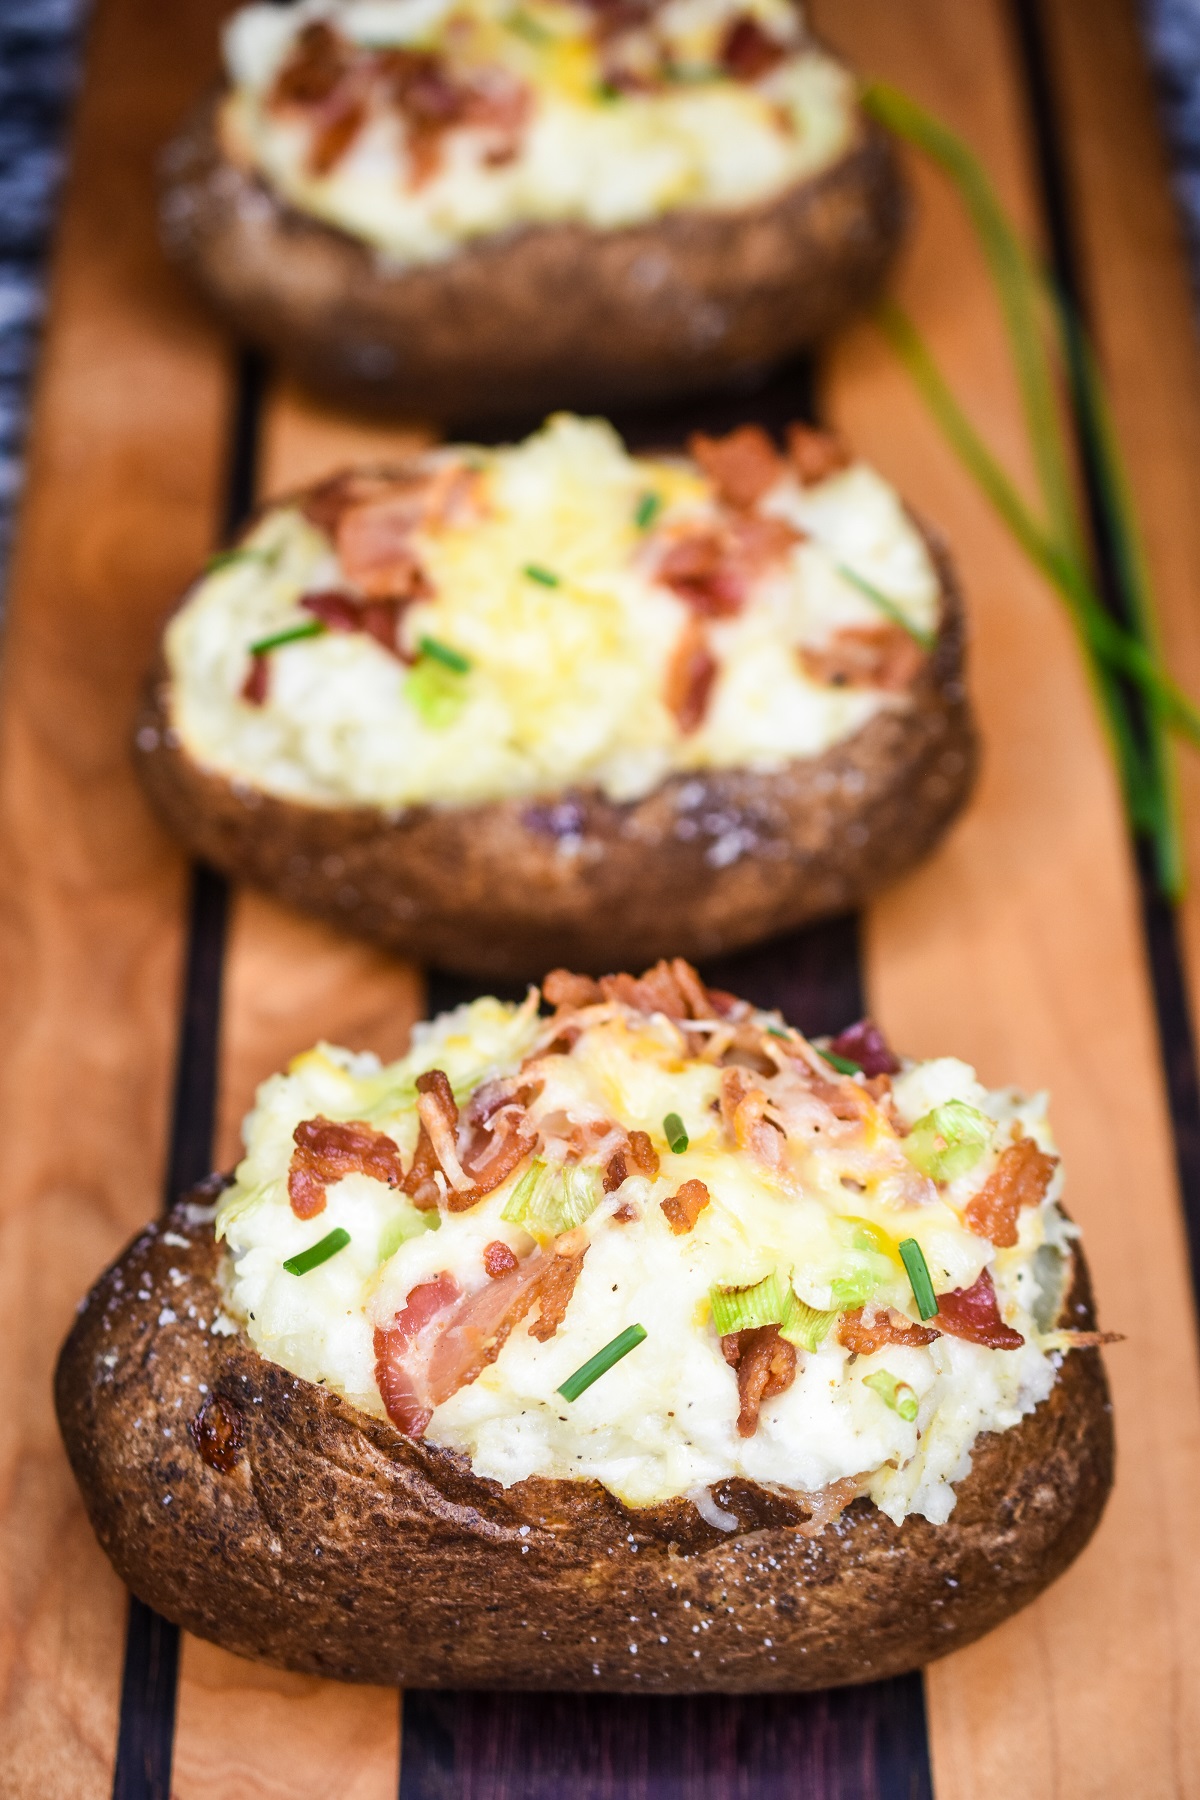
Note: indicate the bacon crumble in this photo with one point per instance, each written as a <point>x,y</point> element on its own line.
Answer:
<point>328,1149</point>
<point>1021,1178</point>
<point>815,455</point>
<point>881,656</point>
<point>766,1366</point>
<point>498,1259</point>
<point>973,1314</point>
<point>867,1330</point>
<point>684,1207</point>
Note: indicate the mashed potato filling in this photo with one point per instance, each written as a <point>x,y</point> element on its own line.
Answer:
<point>578,122</point>
<point>815,1190</point>
<point>551,636</point>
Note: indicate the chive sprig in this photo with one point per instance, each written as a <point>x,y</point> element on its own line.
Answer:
<point>602,1362</point>
<point>318,1253</point>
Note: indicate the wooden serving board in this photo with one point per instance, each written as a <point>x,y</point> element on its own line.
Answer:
<point>1028,945</point>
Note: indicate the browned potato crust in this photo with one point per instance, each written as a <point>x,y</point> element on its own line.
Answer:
<point>337,1546</point>
<point>547,316</point>
<point>486,889</point>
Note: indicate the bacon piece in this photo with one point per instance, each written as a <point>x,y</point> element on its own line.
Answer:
<point>498,1259</point>
<point>313,70</point>
<point>697,568</point>
<point>328,1149</point>
<point>866,1045</point>
<point>398,1378</point>
<point>673,988</point>
<point>374,542</point>
<point>691,674</point>
<point>766,1366</point>
<point>218,1432</point>
<point>684,1207</point>
<point>637,1156</point>
<point>743,466</point>
<point>335,136</point>
<point>880,656</point>
<point>1020,1178</point>
<point>480,1326</point>
<point>257,683</point>
<point>561,988</point>
<point>491,1153</point>
<point>974,1315</point>
<point>816,455</point>
<point>863,1336</point>
<point>437,1110</point>
<point>826,1504</point>
<point>554,1294</point>
<point>380,619</point>
<point>626,1213</point>
<point>748,51</point>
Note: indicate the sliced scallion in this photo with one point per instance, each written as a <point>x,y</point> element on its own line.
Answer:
<point>897,1394</point>
<point>547,577</point>
<point>549,1199</point>
<point>675,1132</point>
<point>444,654</point>
<point>913,1258</point>
<point>602,1362</point>
<point>948,1140</point>
<point>317,1253</point>
<point>435,692</point>
<point>746,1308</point>
<point>291,635</point>
<point>648,508</point>
<point>804,1325</point>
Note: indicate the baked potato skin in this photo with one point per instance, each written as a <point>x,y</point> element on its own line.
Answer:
<point>336,1546</point>
<point>541,317</point>
<point>708,862</point>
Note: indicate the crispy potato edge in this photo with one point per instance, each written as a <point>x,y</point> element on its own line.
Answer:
<point>686,301</point>
<point>338,1547</point>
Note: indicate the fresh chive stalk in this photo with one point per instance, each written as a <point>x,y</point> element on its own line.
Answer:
<point>779,1032</point>
<point>547,577</point>
<point>292,635</point>
<point>1046,337</point>
<point>804,1325</point>
<point>549,1199</point>
<point>844,1065</point>
<point>675,1132</point>
<point>444,654</point>
<point>897,1394</point>
<point>602,1362</point>
<point>886,605</point>
<point>317,1253</point>
<point>746,1308</point>
<point>648,509</point>
<point>948,1140</point>
<point>913,1258</point>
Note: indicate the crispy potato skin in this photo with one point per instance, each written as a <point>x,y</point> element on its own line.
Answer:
<point>338,1547</point>
<point>706,863</point>
<point>541,316</point>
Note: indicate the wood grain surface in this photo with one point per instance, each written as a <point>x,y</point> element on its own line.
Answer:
<point>1018,947</point>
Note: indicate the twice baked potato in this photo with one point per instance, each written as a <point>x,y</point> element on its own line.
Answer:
<point>481,207</point>
<point>642,1346</point>
<point>498,708</point>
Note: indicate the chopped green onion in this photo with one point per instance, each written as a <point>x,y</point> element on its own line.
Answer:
<point>239,553</point>
<point>948,1140</point>
<point>897,1394</point>
<point>872,1264</point>
<point>843,1064</point>
<point>913,1258</point>
<point>648,508</point>
<point>409,1223</point>
<point>804,1325</point>
<point>551,1198</point>
<point>602,1362</point>
<point>745,1308</point>
<point>886,605</point>
<point>449,658</point>
<point>317,1253</point>
<point>547,577</point>
<point>605,90</point>
<point>436,693</point>
<point>675,1132</point>
<point>294,633</point>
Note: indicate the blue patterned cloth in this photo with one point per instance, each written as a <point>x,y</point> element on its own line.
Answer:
<point>39,61</point>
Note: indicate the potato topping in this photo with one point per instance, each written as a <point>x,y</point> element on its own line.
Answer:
<point>483,623</point>
<point>419,126</point>
<point>697,1259</point>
